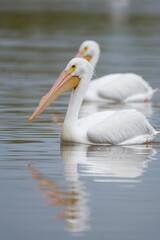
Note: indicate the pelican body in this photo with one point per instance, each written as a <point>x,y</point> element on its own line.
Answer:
<point>119,87</point>
<point>105,128</point>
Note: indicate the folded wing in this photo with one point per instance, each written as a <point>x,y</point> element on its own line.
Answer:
<point>120,127</point>
<point>123,86</point>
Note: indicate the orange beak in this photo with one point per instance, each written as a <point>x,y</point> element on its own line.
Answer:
<point>64,83</point>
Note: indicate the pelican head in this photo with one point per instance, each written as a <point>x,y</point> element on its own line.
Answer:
<point>89,50</point>
<point>71,78</point>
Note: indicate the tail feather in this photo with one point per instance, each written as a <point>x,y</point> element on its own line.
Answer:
<point>157,132</point>
<point>156,90</point>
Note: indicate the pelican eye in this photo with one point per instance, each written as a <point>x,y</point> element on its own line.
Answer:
<point>85,49</point>
<point>72,68</point>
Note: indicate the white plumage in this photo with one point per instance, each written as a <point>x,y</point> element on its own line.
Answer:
<point>119,87</point>
<point>122,127</point>
<point>108,127</point>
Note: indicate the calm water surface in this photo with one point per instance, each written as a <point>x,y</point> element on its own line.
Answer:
<point>54,191</point>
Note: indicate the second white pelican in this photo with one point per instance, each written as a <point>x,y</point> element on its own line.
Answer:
<point>109,127</point>
<point>118,87</point>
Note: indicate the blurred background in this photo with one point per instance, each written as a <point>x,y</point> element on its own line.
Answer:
<point>101,6</point>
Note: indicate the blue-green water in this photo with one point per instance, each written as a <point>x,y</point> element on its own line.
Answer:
<point>67,192</point>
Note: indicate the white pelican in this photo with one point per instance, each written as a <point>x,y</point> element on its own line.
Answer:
<point>118,87</point>
<point>108,127</point>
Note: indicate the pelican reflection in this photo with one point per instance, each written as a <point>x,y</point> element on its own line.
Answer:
<point>103,164</point>
<point>111,163</point>
<point>70,200</point>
